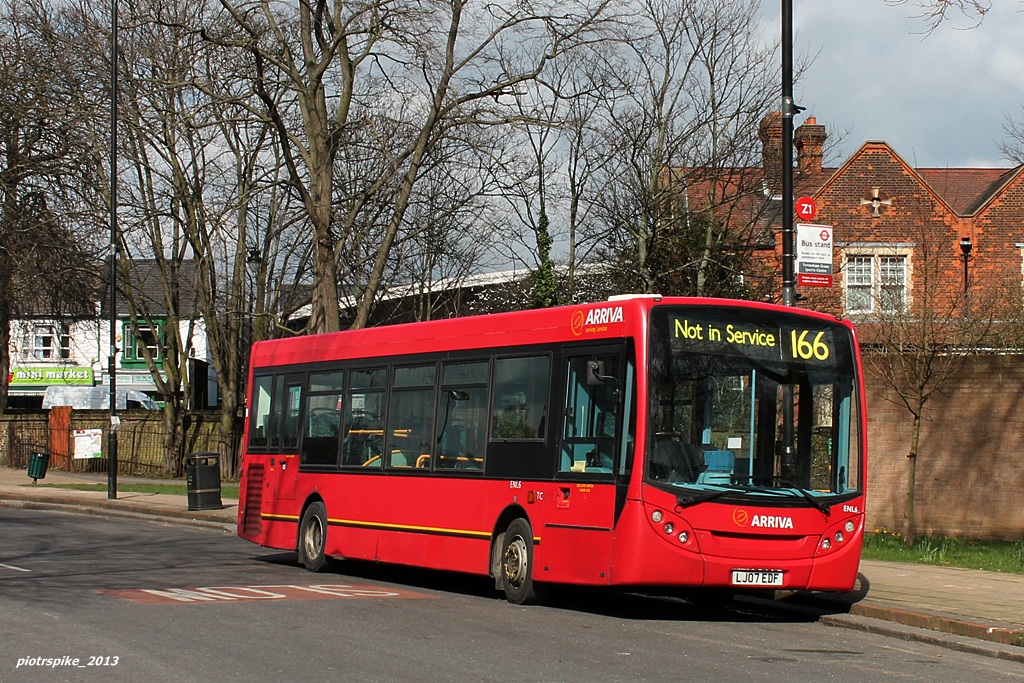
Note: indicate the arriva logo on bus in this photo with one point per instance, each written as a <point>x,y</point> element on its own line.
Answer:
<point>590,320</point>
<point>743,518</point>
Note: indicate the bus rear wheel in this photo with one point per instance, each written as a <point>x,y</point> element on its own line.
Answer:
<point>517,565</point>
<point>313,537</point>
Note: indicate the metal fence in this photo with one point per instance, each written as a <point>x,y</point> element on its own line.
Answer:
<point>140,444</point>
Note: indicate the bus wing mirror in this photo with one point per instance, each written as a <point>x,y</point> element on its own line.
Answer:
<point>595,374</point>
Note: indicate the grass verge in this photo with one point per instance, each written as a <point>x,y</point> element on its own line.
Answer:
<point>226,490</point>
<point>996,556</point>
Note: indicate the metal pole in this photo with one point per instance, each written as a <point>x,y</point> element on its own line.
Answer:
<point>788,110</point>
<point>788,237</point>
<point>112,358</point>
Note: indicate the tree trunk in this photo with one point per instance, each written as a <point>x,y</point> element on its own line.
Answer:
<point>5,348</point>
<point>909,520</point>
<point>173,439</point>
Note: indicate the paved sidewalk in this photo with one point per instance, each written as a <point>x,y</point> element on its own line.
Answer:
<point>964,609</point>
<point>18,490</point>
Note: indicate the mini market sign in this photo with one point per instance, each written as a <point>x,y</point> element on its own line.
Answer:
<point>49,374</point>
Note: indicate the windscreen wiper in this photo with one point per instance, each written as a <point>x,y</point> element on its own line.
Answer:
<point>823,507</point>
<point>703,496</point>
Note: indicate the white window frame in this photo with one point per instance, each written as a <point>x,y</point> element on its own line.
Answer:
<point>876,253</point>
<point>50,342</point>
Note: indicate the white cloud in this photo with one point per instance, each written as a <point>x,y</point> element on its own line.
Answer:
<point>939,99</point>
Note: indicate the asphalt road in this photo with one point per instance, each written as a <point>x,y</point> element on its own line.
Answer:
<point>103,599</point>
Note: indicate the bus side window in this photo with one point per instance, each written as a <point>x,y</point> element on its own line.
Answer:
<point>411,424</point>
<point>462,414</point>
<point>363,442</point>
<point>260,411</point>
<point>323,419</point>
<point>292,413</point>
<point>521,388</point>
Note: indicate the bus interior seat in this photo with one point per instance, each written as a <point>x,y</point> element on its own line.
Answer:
<point>719,466</point>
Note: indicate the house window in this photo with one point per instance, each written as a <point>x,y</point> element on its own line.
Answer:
<point>50,342</point>
<point>145,337</point>
<point>876,283</point>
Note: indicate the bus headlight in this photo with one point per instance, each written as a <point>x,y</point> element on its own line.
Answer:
<point>669,528</point>
<point>839,537</point>
<point>684,537</point>
<point>826,544</point>
<point>849,527</point>
<point>656,516</point>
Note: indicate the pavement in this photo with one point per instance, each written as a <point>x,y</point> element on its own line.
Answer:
<point>962,609</point>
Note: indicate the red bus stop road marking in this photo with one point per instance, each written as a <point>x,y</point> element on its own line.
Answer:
<point>213,594</point>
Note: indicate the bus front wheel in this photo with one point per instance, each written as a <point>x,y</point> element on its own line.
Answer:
<point>517,565</point>
<point>313,537</point>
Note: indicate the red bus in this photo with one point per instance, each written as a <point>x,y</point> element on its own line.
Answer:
<point>645,441</point>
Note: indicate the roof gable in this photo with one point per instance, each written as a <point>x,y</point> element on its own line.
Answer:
<point>961,191</point>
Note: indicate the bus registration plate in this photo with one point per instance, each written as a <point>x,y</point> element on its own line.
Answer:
<point>756,577</point>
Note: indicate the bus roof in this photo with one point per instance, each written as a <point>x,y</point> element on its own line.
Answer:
<point>613,319</point>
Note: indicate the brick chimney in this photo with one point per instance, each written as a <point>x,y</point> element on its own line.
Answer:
<point>770,132</point>
<point>810,141</point>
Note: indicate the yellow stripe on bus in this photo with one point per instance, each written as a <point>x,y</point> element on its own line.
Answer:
<point>279,518</point>
<point>391,527</point>
<point>409,527</point>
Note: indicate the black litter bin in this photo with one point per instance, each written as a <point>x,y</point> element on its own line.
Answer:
<point>37,464</point>
<point>202,479</point>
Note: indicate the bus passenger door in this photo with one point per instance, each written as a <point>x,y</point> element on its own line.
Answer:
<point>589,454</point>
<point>284,469</point>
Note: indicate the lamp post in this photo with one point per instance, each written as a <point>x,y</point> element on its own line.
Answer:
<point>965,254</point>
<point>788,110</point>
<point>112,358</point>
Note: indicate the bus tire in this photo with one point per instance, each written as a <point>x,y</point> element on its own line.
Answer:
<point>517,565</point>
<point>313,537</point>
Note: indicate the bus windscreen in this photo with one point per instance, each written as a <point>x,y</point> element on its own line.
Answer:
<point>752,403</point>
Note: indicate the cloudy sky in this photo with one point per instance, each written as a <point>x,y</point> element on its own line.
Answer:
<point>940,100</point>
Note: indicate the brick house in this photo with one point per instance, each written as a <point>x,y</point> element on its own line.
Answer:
<point>901,233</point>
<point>918,243</point>
<point>909,244</point>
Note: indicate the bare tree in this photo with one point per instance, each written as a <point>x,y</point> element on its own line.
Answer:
<point>688,88</point>
<point>46,239</point>
<point>348,68</point>
<point>1013,147</point>
<point>204,220</point>
<point>934,12</point>
<point>446,240</point>
<point>531,178</point>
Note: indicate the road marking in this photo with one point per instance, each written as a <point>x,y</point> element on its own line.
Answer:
<point>13,568</point>
<point>217,594</point>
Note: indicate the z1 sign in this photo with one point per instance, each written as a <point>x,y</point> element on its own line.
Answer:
<point>806,209</point>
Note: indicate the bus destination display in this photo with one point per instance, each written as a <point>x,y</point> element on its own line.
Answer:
<point>700,334</point>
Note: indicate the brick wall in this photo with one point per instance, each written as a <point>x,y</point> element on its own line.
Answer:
<point>970,471</point>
